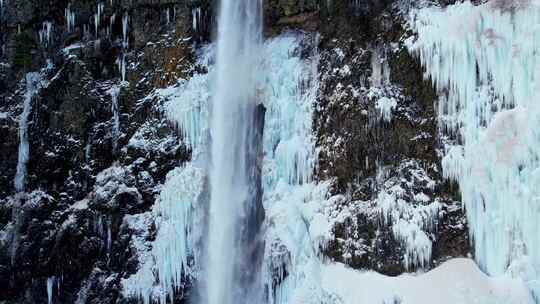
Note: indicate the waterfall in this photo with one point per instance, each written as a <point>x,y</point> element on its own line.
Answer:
<point>234,209</point>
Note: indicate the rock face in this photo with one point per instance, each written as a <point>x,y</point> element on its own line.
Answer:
<point>100,147</point>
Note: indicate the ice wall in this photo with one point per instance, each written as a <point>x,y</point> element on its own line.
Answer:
<point>174,256</point>
<point>485,61</point>
<point>295,227</point>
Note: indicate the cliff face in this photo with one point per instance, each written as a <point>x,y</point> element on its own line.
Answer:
<point>100,146</point>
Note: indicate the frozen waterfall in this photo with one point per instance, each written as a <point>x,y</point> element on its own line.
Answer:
<point>32,86</point>
<point>485,60</point>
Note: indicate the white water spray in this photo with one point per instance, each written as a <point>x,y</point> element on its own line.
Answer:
<point>234,103</point>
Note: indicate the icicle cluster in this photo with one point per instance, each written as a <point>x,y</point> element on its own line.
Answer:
<point>410,224</point>
<point>188,104</point>
<point>70,18</point>
<point>179,225</point>
<point>380,84</point>
<point>121,64</point>
<point>179,209</point>
<point>97,17</point>
<point>485,60</point>
<point>45,33</point>
<point>290,86</point>
<point>196,18</point>
<point>291,200</point>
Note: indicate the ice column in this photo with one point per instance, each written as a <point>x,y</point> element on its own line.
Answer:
<point>32,86</point>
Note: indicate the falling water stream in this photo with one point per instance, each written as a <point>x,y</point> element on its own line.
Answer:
<point>235,210</point>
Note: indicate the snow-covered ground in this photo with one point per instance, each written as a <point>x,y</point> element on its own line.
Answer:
<point>457,281</point>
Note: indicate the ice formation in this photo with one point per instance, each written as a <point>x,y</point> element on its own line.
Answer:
<point>179,219</point>
<point>175,254</point>
<point>114,92</point>
<point>112,20</point>
<point>121,63</point>
<point>295,227</point>
<point>50,285</point>
<point>45,33</point>
<point>411,222</point>
<point>386,105</point>
<point>196,17</point>
<point>125,27</point>
<point>484,59</point>
<point>380,70</point>
<point>188,102</point>
<point>97,17</point>
<point>380,82</point>
<point>70,18</point>
<point>33,81</point>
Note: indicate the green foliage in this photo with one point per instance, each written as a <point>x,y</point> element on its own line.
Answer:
<point>24,44</point>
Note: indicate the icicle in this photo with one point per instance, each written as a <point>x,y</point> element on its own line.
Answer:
<point>380,70</point>
<point>114,92</point>
<point>125,24</point>
<point>97,17</point>
<point>87,151</point>
<point>196,18</point>
<point>70,18</point>
<point>45,33</point>
<point>111,24</point>
<point>168,15</point>
<point>32,87</point>
<point>180,227</point>
<point>50,286</point>
<point>86,31</point>
<point>121,63</point>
